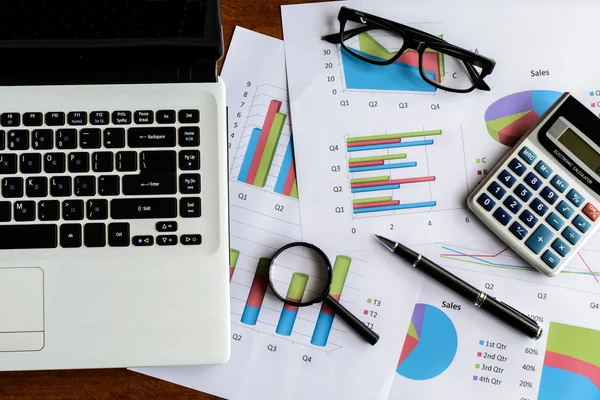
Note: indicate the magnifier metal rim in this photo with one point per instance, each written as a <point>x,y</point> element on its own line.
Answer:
<point>323,295</point>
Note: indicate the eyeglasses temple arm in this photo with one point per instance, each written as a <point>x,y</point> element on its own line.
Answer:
<point>334,38</point>
<point>473,76</point>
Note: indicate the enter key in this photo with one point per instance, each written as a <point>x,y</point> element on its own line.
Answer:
<point>158,175</point>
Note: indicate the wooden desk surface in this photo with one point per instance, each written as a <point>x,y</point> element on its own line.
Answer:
<point>259,15</point>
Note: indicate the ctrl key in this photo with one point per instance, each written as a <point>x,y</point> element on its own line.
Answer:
<point>118,234</point>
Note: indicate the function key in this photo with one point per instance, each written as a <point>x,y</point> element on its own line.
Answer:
<point>189,116</point>
<point>143,240</point>
<point>550,259</point>
<point>555,221</point>
<point>55,118</point>
<point>18,139</point>
<point>191,240</point>
<point>77,118</point>
<point>518,230</point>
<point>561,247</point>
<point>42,139</point>
<point>8,164</point>
<point>166,117</point>
<point>513,204</point>
<point>549,195</point>
<point>496,190</point>
<point>528,218</point>
<point>166,226</point>
<point>121,117</point>
<point>99,118</point>
<point>559,183</point>
<point>539,207</point>
<point>565,209</point>
<point>575,198</point>
<point>33,119</point>
<point>486,202</point>
<point>533,181</point>
<point>527,155</point>
<point>523,193</point>
<point>10,119</point>
<point>144,117</point>
<point>571,235</point>
<point>507,179</point>
<point>539,239</point>
<point>2,140</point>
<point>502,216</point>
<point>189,136</point>
<point>590,210</point>
<point>543,169</point>
<point>517,167</point>
<point>66,139</point>
<point>90,138</point>
<point>581,224</point>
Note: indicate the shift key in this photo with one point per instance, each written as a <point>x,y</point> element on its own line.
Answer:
<point>151,137</point>
<point>144,208</point>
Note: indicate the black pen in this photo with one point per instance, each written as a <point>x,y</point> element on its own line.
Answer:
<point>502,311</point>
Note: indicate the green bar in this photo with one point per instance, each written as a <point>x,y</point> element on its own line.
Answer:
<point>340,272</point>
<point>297,286</point>
<point>394,136</point>
<point>270,147</point>
<point>263,267</point>
<point>574,341</point>
<point>378,158</point>
<point>372,200</point>
<point>370,179</point>
<point>233,257</point>
<point>294,192</point>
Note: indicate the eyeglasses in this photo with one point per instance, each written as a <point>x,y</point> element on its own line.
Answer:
<point>383,42</point>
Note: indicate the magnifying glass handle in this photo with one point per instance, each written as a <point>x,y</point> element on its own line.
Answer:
<point>369,335</point>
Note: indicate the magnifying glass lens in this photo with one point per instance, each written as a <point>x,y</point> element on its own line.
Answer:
<point>299,275</point>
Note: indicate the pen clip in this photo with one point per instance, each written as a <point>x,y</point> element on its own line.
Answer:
<point>520,313</point>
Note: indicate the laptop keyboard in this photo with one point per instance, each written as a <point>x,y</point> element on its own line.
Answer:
<point>70,180</point>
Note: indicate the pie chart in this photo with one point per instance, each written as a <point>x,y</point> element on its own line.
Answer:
<point>430,344</point>
<point>509,117</point>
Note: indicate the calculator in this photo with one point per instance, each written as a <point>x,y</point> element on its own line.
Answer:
<point>542,198</point>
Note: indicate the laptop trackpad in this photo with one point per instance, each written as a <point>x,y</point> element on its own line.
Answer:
<point>21,309</point>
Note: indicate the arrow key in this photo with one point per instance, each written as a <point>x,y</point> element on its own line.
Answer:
<point>144,240</point>
<point>191,240</point>
<point>166,226</point>
<point>166,240</point>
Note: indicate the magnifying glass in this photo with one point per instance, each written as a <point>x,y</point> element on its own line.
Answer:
<point>300,275</point>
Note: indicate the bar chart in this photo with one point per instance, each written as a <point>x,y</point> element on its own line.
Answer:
<point>376,156</point>
<point>257,292</point>
<point>289,312</point>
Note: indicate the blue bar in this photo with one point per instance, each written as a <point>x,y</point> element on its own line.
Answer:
<point>285,168</point>
<point>286,322</point>
<point>384,166</point>
<point>391,145</point>
<point>374,188</point>
<point>249,154</point>
<point>398,207</point>
<point>322,329</point>
<point>250,315</point>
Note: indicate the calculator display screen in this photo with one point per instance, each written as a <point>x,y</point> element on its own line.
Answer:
<point>581,149</point>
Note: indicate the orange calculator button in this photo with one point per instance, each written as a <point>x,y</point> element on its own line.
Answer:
<point>591,211</point>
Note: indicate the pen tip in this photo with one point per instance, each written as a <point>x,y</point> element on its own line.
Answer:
<point>389,244</point>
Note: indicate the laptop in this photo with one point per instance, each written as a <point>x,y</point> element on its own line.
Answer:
<point>113,184</point>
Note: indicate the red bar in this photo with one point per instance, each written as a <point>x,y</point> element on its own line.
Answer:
<point>231,269</point>
<point>365,163</point>
<point>395,182</point>
<point>574,365</point>
<point>372,142</point>
<point>274,107</point>
<point>289,180</point>
<point>379,204</point>
<point>257,291</point>
<point>289,307</point>
<point>325,309</point>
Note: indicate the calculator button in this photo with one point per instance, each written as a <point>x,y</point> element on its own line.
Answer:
<point>543,169</point>
<point>566,210</point>
<point>555,221</point>
<point>571,235</point>
<point>549,195</point>
<point>486,202</point>
<point>539,207</point>
<point>533,181</point>
<point>575,198</point>
<point>528,218</point>
<point>591,211</point>
<point>496,190</point>
<point>518,230</point>
<point>517,167</point>
<point>513,204</point>
<point>523,193</point>
<point>582,224</point>
<point>527,155</point>
<point>561,247</point>
<point>539,239</point>
<point>502,216</point>
<point>559,183</point>
<point>550,259</point>
<point>507,179</point>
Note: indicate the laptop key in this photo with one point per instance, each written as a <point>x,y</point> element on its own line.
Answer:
<point>70,236</point>
<point>55,118</point>
<point>108,185</point>
<point>72,210</point>
<point>127,161</point>
<point>189,160</point>
<point>151,137</point>
<point>189,183</point>
<point>30,163</point>
<point>2,140</point>
<point>36,186</point>
<point>121,117</point>
<point>99,118</point>
<point>49,210</point>
<point>166,226</point>
<point>94,235</point>
<point>79,162</point>
<point>18,237</point>
<point>24,211</point>
<point>102,161</point>
<point>189,116</point>
<point>8,164</point>
<point>97,209</point>
<point>42,139</point>
<point>85,186</point>
<point>166,117</point>
<point>60,186</point>
<point>114,138</point>
<point>90,138</point>
<point>143,240</point>
<point>118,234</point>
<point>12,188</point>
<point>191,240</point>
<point>143,208</point>
<point>189,136</point>
<point>166,240</point>
<point>190,207</point>
<point>77,118</point>
<point>161,161</point>
<point>10,120</point>
<point>32,119</point>
<point>18,139</point>
<point>5,211</point>
<point>144,117</point>
<point>66,139</point>
<point>54,163</point>
<point>150,183</point>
